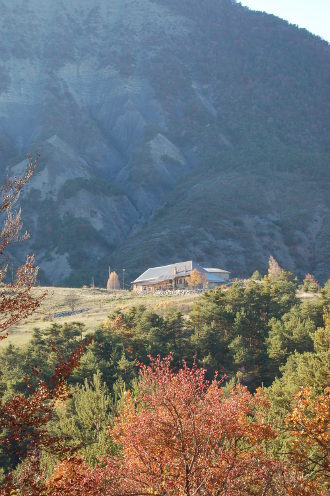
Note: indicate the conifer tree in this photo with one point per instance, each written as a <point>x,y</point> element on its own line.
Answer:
<point>310,284</point>
<point>85,418</point>
<point>256,276</point>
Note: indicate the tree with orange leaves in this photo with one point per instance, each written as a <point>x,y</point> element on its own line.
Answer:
<point>181,435</point>
<point>308,424</point>
<point>75,478</point>
<point>197,278</point>
<point>113,281</point>
<point>73,475</point>
<point>274,269</point>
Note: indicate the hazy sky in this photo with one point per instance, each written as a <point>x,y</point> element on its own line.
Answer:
<point>313,15</point>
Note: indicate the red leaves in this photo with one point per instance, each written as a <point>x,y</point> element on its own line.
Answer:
<point>183,435</point>
<point>25,417</point>
<point>24,421</point>
<point>73,477</point>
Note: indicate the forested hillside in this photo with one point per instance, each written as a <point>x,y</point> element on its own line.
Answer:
<point>230,398</point>
<point>167,130</point>
<point>236,391</point>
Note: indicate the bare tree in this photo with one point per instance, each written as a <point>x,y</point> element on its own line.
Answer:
<point>72,301</point>
<point>16,299</point>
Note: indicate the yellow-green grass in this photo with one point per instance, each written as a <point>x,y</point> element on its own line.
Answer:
<point>98,304</point>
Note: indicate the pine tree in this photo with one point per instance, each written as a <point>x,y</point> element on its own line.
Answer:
<point>310,284</point>
<point>256,276</point>
<point>85,418</point>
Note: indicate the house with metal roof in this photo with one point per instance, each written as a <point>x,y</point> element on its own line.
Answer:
<point>216,277</point>
<point>176,276</point>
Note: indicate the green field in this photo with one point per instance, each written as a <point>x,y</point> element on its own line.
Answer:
<point>96,304</point>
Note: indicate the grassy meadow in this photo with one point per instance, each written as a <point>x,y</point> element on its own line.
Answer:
<point>94,306</point>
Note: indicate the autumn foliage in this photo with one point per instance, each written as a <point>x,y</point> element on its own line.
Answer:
<point>182,435</point>
<point>24,417</point>
<point>309,427</point>
<point>24,420</point>
<point>197,278</point>
<point>75,475</point>
<point>113,281</point>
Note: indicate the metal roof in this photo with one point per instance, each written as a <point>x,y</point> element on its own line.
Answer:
<point>217,271</point>
<point>166,272</point>
<point>159,274</point>
<point>215,277</point>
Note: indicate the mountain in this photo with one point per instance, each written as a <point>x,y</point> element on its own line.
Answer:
<point>167,130</point>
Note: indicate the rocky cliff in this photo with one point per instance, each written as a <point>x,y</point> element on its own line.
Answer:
<point>167,130</point>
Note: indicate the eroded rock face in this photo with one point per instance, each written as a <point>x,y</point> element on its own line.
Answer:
<point>163,129</point>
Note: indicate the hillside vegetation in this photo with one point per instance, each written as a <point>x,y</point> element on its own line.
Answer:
<point>89,307</point>
<point>237,392</point>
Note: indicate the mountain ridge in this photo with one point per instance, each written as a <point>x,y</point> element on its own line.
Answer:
<point>167,130</point>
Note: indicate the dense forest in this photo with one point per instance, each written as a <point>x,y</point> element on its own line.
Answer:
<point>254,354</point>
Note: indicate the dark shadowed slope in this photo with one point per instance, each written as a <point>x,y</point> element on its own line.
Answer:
<point>168,130</point>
